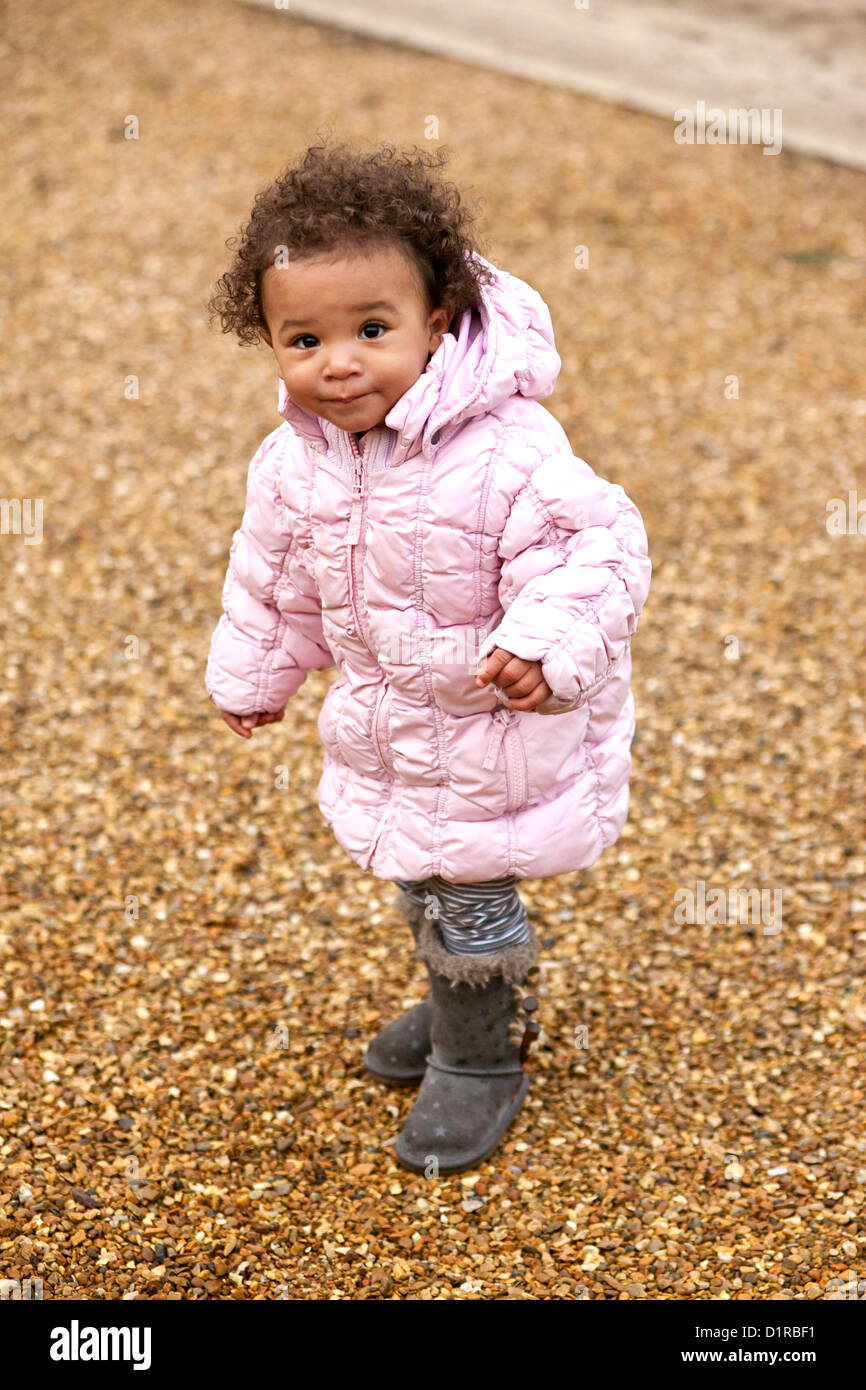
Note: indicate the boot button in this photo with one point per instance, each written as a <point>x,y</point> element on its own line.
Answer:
<point>530,1003</point>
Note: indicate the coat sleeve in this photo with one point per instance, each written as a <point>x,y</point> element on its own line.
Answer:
<point>575,576</point>
<point>270,633</point>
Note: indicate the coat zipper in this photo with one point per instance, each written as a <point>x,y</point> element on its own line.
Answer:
<point>521,772</point>
<point>505,731</point>
<point>356,520</point>
<point>353,537</point>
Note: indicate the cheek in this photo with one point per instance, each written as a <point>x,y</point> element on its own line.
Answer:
<point>295,373</point>
<point>409,360</point>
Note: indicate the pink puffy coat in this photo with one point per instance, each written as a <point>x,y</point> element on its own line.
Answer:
<point>463,523</point>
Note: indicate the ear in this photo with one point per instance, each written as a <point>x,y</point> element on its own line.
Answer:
<point>437,324</point>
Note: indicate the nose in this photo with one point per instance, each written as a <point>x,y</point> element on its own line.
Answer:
<point>342,362</point>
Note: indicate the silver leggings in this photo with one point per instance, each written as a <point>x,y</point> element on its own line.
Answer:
<point>474,918</point>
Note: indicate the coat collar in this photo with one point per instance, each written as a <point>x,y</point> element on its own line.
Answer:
<point>502,346</point>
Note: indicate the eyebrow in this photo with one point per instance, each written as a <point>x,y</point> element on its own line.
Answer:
<point>353,309</point>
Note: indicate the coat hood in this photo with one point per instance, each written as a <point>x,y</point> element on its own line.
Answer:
<point>503,346</point>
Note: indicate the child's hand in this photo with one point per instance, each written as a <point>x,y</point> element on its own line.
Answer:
<point>244,724</point>
<point>522,681</point>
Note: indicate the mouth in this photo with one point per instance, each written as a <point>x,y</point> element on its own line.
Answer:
<point>346,400</point>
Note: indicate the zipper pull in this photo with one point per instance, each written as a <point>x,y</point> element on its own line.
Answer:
<point>494,743</point>
<point>353,534</point>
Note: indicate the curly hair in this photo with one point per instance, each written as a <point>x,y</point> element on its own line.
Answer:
<point>338,198</point>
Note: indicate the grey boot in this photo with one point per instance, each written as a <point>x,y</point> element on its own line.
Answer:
<point>398,1054</point>
<point>474,1084</point>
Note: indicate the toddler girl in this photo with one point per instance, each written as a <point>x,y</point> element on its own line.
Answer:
<point>420,522</point>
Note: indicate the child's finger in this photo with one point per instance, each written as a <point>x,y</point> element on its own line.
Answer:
<point>272,717</point>
<point>515,669</point>
<point>490,666</point>
<point>524,685</point>
<point>537,696</point>
<point>235,724</point>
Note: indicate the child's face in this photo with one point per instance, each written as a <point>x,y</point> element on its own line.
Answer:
<point>350,325</point>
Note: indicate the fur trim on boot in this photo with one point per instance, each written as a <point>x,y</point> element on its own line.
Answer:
<point>513,963</point>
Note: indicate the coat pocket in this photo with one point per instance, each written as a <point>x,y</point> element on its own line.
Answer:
<point>506,741</point>
<point>381,728</point>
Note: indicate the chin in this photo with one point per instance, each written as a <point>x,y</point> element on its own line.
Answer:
<point>366,421</point>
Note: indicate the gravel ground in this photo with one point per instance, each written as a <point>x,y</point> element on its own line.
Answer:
<point>191,965</point>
